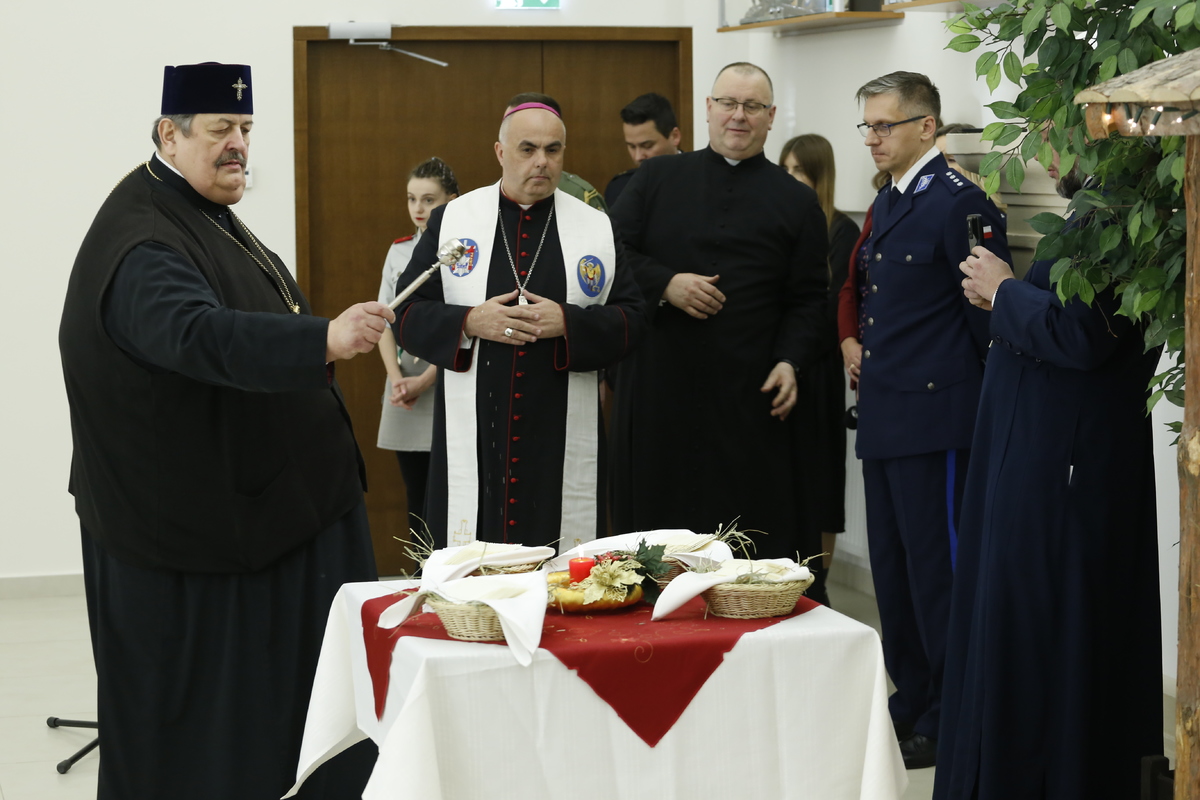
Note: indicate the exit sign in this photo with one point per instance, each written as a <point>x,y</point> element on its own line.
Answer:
<point>528,3</point>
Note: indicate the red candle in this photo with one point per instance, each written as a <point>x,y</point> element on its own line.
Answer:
<point>581,568</point>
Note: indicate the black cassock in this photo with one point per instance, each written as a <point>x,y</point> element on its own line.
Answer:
<point>521,398</point>
<point>1053,671</point>
<point>693,442</point>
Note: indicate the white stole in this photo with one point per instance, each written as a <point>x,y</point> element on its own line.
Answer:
<point>585,236</point>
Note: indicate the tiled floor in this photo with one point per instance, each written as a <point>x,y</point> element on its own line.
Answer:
<point>46,669</point>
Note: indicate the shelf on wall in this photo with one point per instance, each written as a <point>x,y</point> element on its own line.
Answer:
<point>816,23</point>
<point>952,6</point>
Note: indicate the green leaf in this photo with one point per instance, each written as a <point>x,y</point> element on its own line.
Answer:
<point>1012,67</point>
<point>1153,401</point>
<point>1015,170</point>
<point>985,62</point>
<point>991,183</point>
<point>1030,146</point>
<point>1147,302</point>
<point>1009,135</point>
<point>1059,267</point>
<point>964,42</point>
<point>1177,172</point>
<point>1104,50</point>
<point>1135,226</point>
<point>1110,238</point>
<point>993,78</point>
<point>1046,223</point>
<point>1185,15</point>
<point>1107,70</point>
<point>1087,292</point>
<point>991,131</point>
<point>1048,53</point>
<point>1060,15</point>
<point>1127,61</point>
<point>1004,109</point>
<point>990,163</point>
<point>1035,17</point>
<point>1045,155</point>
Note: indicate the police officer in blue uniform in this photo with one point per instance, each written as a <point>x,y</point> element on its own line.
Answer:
<point>919,369</point>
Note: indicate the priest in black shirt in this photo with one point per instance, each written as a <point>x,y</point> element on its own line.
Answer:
<point>730,254</point>
<point>215,474</point>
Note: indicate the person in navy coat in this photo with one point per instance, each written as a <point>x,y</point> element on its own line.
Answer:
<point>1054,659</point>
<point>919,368</point>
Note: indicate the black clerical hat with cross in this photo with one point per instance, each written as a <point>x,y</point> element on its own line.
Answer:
<point>208,88</point>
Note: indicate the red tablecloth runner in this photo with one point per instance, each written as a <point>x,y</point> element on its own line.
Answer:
<point>667,661</point>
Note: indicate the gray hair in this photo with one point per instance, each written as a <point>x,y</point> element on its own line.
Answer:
<point>182,121</point>
<point>746,68</point>
<point>916,93</point>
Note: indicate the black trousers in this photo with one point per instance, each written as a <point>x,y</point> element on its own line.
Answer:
<point>204,679</point>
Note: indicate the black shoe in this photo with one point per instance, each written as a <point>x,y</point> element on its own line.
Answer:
<point>918,751</point>
<point>903,729</point>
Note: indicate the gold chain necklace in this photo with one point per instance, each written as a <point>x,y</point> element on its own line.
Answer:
<point>278,278</point>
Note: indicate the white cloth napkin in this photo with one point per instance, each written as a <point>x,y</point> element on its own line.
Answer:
<point>690,584</point>
<point>519,601</point>
<point>700,548</point>
<point>451,563</point>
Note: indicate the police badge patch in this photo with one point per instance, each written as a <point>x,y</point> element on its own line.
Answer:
<point>591,275</point>
<point>923,183</point>
<point>466,262</point>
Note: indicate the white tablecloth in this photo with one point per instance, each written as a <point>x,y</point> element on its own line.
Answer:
<point>796,710</point>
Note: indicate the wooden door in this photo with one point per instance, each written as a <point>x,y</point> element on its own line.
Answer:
<point>365,117</point>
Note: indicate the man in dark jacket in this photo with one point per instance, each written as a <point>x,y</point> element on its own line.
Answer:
<point>217,480</point>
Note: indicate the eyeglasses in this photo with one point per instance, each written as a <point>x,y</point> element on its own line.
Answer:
<point>729,105</point>
<point>884,129</point>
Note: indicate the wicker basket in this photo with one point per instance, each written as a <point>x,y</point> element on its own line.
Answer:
<point>513,569</point>
<point>472,622</point>
<point>755,600</point>
<point>674,572</point>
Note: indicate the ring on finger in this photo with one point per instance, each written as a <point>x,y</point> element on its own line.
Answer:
<point>508,332</point>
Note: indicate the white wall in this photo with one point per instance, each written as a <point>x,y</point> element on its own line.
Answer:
<point>80,84</point>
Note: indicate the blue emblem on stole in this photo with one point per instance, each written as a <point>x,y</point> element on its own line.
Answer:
<point>591,275</point>
<point>466,262</point>
<point>923,183</point>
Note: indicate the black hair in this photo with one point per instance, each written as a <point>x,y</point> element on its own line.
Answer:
<point>438,170</point>
<point>651,107</point>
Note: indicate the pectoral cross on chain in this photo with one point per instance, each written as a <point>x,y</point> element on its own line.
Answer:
<point>239,86</point>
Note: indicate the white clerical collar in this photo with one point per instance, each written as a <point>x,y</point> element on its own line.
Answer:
<point>909,176</point>
<point>168,165</point>
<point>733,162</point>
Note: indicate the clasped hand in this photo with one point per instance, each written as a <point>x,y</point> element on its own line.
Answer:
<point>783,380</point>
<point>541,319</point>
<point>697,295</point>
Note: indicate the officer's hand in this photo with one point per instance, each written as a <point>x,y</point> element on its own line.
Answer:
<point>985,272</point>
<point>698,295</point>
<point>550,315</point>
<point>783,380</point>
<point>491,319</point>
<point>852,356</point>
<point>356,330</point>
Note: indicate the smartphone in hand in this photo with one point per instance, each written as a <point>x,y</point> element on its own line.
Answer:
<point>974,231</point>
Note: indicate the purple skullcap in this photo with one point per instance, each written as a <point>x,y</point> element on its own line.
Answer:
<point>524,106</point>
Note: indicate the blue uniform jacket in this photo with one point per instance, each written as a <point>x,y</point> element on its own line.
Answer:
<point>924,344</point>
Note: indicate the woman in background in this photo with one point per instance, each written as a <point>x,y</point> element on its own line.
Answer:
<point>820,413</point>
<point>406,425</point>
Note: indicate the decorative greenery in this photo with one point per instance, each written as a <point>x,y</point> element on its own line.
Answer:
<point>646,560</point>
<point>1131,222</point>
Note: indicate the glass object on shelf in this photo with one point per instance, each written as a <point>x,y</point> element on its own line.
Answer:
<point>769,10</point>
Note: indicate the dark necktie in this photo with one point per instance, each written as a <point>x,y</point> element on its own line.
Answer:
<point>893,197</point>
